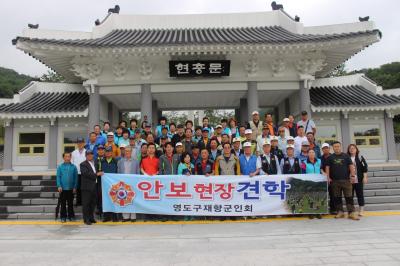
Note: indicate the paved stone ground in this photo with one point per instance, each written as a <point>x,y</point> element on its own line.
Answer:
<point>371,241</point>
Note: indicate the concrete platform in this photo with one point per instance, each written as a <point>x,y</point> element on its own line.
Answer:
<point>375,240</point>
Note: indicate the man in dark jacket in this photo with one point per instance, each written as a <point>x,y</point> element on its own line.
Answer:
<point>88,188</point>
<point>109,165</point>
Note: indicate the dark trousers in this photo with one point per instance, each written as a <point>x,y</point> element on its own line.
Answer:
<point>79,192</point>
<point>99,198</point>
<point>88,204</point>
<point>358,188</point>
<point>344,187</point>
<point>67,198</point>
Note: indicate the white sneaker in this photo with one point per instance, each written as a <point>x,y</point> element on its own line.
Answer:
<point>361,212</point>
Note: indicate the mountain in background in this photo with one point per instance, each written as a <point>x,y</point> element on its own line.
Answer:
<point>11,82</point>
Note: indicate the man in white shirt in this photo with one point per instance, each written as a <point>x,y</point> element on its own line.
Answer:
<point>267,162</point>
<point>77,157</point>
<point>301,137</point>
<point>308,124</point>
<point>265,135</point>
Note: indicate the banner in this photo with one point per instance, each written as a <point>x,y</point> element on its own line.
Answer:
<point>215,195</point>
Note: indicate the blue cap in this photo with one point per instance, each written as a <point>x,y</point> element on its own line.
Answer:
<point>89,151</point>
<point>100,147</point>
<point>206,129</point>
<point>108,148</point>
<point>80,140</point>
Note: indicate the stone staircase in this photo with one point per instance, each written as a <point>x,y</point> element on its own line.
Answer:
<point>35,197</point>
<point>29,197</point>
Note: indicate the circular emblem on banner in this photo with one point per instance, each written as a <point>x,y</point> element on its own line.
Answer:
<point>121,194</point>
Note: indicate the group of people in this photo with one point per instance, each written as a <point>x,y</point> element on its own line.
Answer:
<point>257,148</point>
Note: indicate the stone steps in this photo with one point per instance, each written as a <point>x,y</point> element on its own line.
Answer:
<point>36,197</point>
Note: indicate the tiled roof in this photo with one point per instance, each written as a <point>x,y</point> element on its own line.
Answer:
<point>349,96</point>
<point>43,102</point>
<point>158,37</point>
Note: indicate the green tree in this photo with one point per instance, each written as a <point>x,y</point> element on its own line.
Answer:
<point>11,82</point>
<point>52,76</point>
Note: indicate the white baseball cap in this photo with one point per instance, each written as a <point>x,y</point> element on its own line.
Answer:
<point>218,126</point>
<point>325,145</point>
<point>246,144</point>
<point>236,140</point>
<point>290,146</point>
<point>110,134</point>
<point>248,131</point>
<point>286,119</point>
<point>122,146</point>
<point>289,138</point>
<point>178,144</point>
<point>255,113</point>
<point>267,142</point>
<point>274,138</point>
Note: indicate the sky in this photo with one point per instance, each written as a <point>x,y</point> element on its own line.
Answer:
<point>80,15</point>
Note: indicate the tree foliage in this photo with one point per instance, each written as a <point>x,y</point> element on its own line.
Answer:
<point>11,82</point>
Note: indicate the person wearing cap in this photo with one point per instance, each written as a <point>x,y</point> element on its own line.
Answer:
<point>303,155</point>
<point>249,138</point>
<point>168,162</point>
<point>289,141</point>
<point>88,187</point>
<point>110,143</point>
<point>188,141</point>
<point>147,130</point>
<point>236,150</point>
<point>179,136</point>
<point>313,146</point>
<point>308,124</point>
<point>195,153</point>
<point>218,133</point>
<point>125,138</point>
<point>267,162</point>
<point>255,125</point>
<point>248,161</point>
<point>77,157</point>
<point>161,148</point>
<point>262,138</point>
<point>213,150</point>
<point>292,126</point>
<point>205,139</point>
<point>67,183</point>
<point>162,123</point>
<point>107,165</point>
<point>301,137</point>
<point>290,165</point>
<point>275,149</point>
<point>282,138</point>
<point>227,163</point>
<point>270,123</point>
<point>163,134</point>
<point>285,126</point>
<point>204,166</point>
<point>122,151</point>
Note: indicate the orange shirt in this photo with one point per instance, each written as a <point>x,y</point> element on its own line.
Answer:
<point>271,129</point>
<point>150,165</point>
